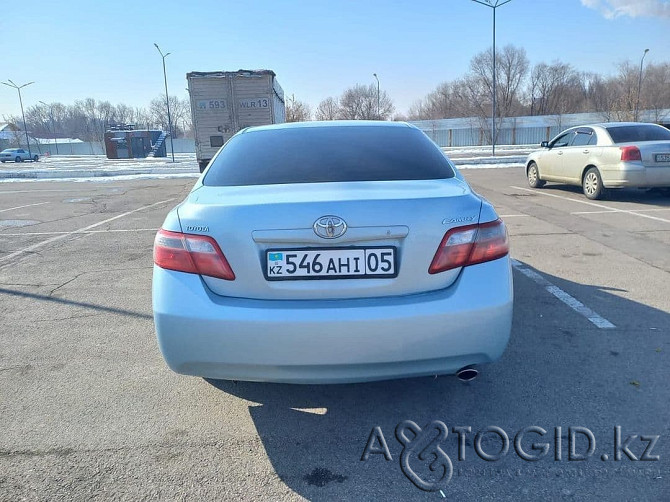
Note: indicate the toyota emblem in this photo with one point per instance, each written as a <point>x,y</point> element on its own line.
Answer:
<point>330,227</point>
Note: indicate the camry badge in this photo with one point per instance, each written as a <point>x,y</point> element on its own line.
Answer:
<point>457,219</point>
<point>330,227</point>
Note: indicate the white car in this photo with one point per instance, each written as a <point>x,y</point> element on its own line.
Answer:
<point>18,155</point>
<point>326,252</point>
<point>601,156</point>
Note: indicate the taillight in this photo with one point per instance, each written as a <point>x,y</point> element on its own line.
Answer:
<point>630,153</point>
<point>194,254</point>
<point>463,246</point>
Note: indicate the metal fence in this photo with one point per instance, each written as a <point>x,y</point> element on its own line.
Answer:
<point>181,145</point>
<point>474,131</point>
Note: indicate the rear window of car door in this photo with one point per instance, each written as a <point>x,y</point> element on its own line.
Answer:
<point>583,137</point>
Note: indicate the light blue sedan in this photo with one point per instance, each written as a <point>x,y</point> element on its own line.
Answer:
<point>328,252</point>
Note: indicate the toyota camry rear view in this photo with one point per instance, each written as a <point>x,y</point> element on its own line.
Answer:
<point>329,252</point>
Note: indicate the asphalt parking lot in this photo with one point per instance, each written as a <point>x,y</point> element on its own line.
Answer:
<point>88,409</point>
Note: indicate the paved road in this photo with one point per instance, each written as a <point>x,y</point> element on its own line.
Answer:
<point>89,410</point>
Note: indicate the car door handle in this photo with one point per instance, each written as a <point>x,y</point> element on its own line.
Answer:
<point>559,153</point>
<point>586,151</point>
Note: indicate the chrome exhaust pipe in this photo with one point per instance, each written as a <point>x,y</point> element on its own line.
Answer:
<point>467,374</point>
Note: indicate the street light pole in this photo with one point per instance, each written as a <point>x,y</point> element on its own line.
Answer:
<point>167,99</point>
<point>639,84</point>
<point>25,128</point>
<point>379,116</point>
<point>53,127</point>
<point>494,4</point>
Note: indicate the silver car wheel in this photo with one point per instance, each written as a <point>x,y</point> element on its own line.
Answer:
<point>533,175</point>
<point>591,183</point>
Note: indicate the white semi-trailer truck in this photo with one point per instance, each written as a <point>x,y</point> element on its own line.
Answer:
<point>224,102</point>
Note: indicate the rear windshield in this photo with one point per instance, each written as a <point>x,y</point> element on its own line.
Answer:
<point>628,134</point>
<point>327,154</point>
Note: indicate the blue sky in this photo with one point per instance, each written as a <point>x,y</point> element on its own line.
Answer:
<point>75,49</point>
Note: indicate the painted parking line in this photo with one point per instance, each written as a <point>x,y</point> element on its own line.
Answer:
<point>74,189</point>
<point>570,301</point>
<point>594,204</point>
<point>632,210</point>
<point>5,259</point>
<point>21,207</point>
<point>19,234</point>
<point>513,215</point>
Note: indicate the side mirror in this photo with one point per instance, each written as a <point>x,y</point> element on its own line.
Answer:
<point>544,144</point>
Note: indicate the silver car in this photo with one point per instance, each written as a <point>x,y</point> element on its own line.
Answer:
<point>331,252</point>
<point>18,155</point>
<point>602,156</point>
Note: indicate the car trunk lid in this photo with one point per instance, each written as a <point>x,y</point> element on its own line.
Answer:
<point>410,217</point>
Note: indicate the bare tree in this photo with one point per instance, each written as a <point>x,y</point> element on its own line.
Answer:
<point>297,111</point>
<point>446,101</point>
<point>142,117</point>
<point>360,103</point>
<point>655,92</point>
<point>180,113</point>
<point>511,70</point>
<point>556,89</point>
<point>418,110</point>
<point>181,116</point>
<point>626,91</point>
<point>328,109</point>
<point>124,114</point>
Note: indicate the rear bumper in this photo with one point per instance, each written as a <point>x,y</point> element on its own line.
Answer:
<point>636,176</point>
<point>333,341</point>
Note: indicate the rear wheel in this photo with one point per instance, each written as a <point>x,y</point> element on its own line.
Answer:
<point>36,158</point>
<point>18,159</point>
<point>203,165</point>
<point>533,174</point>
<point>592,184</point>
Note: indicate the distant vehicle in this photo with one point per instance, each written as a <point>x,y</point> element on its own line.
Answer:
<point>602,156</point>
<point>224,102</point>
<point>324,252</point>
<point>17,155</point>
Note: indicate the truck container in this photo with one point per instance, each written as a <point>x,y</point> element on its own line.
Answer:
<point>224,102</point>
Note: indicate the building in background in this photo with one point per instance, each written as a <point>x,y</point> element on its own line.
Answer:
<point>11,136</point>
<point>126,142</point>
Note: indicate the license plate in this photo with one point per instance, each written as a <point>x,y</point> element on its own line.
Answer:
<point>331,263</point>
<point>662,157</point>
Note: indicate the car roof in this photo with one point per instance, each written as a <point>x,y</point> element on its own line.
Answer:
<point>329,124</point>
<point>617,124</point>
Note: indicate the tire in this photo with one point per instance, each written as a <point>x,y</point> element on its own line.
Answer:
<point>36,158</point>
<point>202,165</point>
<point>592,184</point>
<point>18,159</point>
<point>533,175</point>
